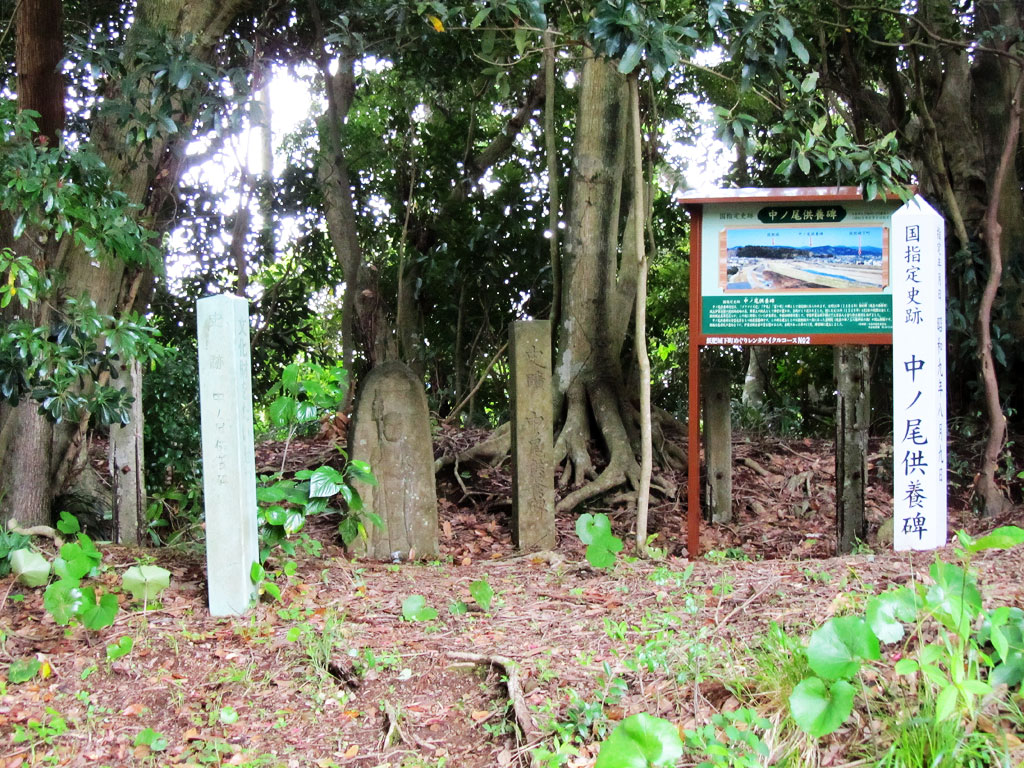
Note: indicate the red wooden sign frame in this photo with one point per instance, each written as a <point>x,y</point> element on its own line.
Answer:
<point>695,203</point>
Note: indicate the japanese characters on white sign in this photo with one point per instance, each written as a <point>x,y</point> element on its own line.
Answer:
<point>919,376</point>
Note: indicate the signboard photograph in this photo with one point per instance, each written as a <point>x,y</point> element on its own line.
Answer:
<point>798,258</point>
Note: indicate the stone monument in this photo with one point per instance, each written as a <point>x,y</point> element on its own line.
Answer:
<point>391,432</point>
<point>533,476</point>
<point>229,464</point>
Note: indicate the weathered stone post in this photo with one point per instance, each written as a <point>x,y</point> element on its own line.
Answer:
<point>533,478</point>
<point>229,464</point>
<point>391,432</point>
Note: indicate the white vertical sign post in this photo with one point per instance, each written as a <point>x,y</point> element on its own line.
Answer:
<point>919,376</point>
<point>229,463</point>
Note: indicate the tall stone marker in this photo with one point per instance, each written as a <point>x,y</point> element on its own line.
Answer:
<point>229,464</point>
<point>533,479</point>
<point>919,376</point>
<point>391,431</point>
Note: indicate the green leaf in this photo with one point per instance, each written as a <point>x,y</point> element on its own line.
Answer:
<point>68,524</point>
<point>282,411</point>
<point>63,600</point>
<point>482,593</point>
<point>145,582</point>
<point>22,670</point>
<point>290,379</point>
<point>887,612</point>
<point>457,608</point>
<point>480,17</point>
<point>325,482</point>
<point>29,567</point>
<point>121,648</point>
<point>954,598</point>
<point>98,614</point>
<point>818,710</point>
<point>799,49</point>
<point>257,572</point>
<point>155,740</point>
<point>415,608</point>
<point>360,470</point>
<point>228,715</point>
<point>836,648</point>
<point>631,58</point>
<point>945,703</point>
<point>906,666</point>
<point>591,528</point>
<point>641,741</point>
<point>1005,537</point>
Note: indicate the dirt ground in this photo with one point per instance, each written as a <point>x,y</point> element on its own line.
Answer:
<point>333,675</point>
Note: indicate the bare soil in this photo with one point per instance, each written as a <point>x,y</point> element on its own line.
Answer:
<point>333,675</point>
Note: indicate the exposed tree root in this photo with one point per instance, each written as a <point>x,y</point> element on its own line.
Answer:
<point>622,464</point>
<point>490,451</point>
<point>515,690</point>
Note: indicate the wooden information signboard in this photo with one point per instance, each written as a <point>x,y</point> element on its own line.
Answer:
<point>808,265</point>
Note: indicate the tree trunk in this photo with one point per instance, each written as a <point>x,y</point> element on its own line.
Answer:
<point>33,467</point>
<point>39,51</point>
<point>597,292</point>
<point>756,379</point>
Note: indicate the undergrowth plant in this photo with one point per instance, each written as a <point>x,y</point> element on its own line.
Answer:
<point>955,655</point>
<point>72,597</point>
<point>304,394</point>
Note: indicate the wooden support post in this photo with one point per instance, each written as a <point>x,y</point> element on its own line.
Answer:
<point>718,446</point>
<point>853,417</point>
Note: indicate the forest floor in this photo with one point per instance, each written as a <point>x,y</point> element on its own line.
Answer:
<point>333,675</point>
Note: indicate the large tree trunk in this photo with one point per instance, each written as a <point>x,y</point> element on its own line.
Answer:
<point>598,289</point>
<point>144,172</point>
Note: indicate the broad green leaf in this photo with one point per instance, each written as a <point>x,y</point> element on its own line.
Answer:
<point>228,715</point>
<point>415,608</point>
<point>98,614</point>
<point>155,740</point>
<point>145,582</point>
<point>29,567</point>
<point>1004,537</point>
<point>290,379</point>
<point>599,555</point>
<point>887,612</point>
<point>257,572</point>
<point>818,710</point>
<point>641,741</point>
<point>836,648</point>
<point>68,524</point>
<point>325,482</point>
<point>591,528</point>
<point>1010,673</point>
<point>906,666</point>
<point>121,648</point>
<point>22,670</point>
<point>799,49</point>
<point>631,58</point>
<point>954,598</point>
<point>482,593</point>
<point>481,15</point>
<point>63,600</point>
<point>457,608</point>
<point>282,411</point>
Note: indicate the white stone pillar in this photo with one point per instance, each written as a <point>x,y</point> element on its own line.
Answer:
<point>229,464</point>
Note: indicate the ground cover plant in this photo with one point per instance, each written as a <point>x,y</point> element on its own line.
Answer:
<point>483,658</point>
